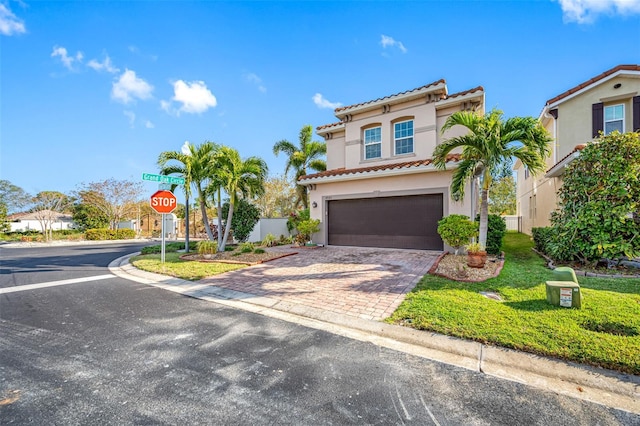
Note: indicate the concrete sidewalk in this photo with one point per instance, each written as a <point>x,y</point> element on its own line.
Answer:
<point>601,386</point>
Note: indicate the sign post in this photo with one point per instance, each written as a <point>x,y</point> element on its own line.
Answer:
<point>163,202</point>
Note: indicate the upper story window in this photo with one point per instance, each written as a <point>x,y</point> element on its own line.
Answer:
<point>614,118</point>
<point>403,137</point>
<point>373,143</point>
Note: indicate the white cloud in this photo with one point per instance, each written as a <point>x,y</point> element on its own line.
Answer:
<point>105,65</point>
<point>194,97</point>
<point>66,60</point>
<point>321,102</point>
<point>387,41</point>
<point>129,87</point>
<point>586,11</point>
<point>9,23</point>
<point>131,116</point>
<point>149,125</point>
<point>253,78</point>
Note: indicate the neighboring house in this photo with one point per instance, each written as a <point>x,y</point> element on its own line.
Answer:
<point>607,102</point>
<point>381,188</point>
<point>21,222</point>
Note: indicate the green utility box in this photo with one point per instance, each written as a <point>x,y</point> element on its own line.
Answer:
<point>564,273</point>
<point>564,293</point>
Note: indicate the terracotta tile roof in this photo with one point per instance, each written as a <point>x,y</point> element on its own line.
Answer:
<point>435,83</point>
<point>404,165</point>
<point>577,148</point>
<point>466,92</point>
<point>593,80</point>
<point>327,126</point>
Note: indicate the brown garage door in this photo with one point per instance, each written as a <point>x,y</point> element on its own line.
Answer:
<point>395,222</point>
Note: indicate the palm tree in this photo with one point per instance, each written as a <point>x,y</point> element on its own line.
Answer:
<point>488,144</point>
<point>307,155</point>
<point>197,169</point>
<point>238,178</point>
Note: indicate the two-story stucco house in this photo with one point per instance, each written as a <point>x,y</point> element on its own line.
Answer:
<point>381,188</point>
<point>607,102</point>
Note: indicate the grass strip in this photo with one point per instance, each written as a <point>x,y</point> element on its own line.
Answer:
<point>604,333</point>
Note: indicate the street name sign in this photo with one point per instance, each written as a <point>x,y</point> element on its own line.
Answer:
<point>163,179</point>
<point>163,202</point>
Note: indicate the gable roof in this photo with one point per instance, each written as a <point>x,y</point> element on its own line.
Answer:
<point>613,72</point>
<point>16,217</point>
<point>362,171</point>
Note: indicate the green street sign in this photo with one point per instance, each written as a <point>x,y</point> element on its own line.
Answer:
<point>163,179</point>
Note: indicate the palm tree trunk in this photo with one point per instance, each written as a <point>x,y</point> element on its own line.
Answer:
<point>484,216</point>
<point>228,227</point>
<point>205,218</point>
<point>219,214</point>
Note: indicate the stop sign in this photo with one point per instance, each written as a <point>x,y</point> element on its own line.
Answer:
<point>163,201</point>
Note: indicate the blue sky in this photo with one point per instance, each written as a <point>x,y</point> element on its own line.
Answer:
<point>91,90</point>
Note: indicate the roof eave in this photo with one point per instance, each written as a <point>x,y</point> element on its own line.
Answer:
<point>373,174</point>
<point>558,169</point>
<point>403,97</point>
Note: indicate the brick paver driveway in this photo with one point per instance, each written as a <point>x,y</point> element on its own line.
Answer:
<point>368,283</point>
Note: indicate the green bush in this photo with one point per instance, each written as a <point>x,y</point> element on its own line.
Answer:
<point>207,247</point>
<point>296,217</point>
<point>247,247</point>
<point>168,248</point>
<point>308,227</point>
<point>542,238</point>
<point>270,240</point>
<point>109,234</point>
<point>457,230</point>
<point>245,217</point>
<point>259,251</point>
<point>598,212</point>
<point>497,227</point>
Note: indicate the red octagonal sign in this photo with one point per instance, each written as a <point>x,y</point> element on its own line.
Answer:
<point>163,201</point>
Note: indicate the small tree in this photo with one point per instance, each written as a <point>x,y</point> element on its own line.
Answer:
<point>496,229</point>
<point>307,228</point>
<point>502,196</point>
<point>457,230</point>
<point>115,199</point>
<point>48,206</point>
<point>599,208</point>
<point>13,197</point>
<point>244,218</point>
<point>279,197</point>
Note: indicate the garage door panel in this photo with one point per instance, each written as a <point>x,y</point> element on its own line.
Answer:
<point>395,222</point>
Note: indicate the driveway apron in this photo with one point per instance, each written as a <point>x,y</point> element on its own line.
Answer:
<point>367,283</point>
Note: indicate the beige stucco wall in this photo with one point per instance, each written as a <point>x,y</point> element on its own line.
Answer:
<point>574,115</point>
<point>424,138</point>
<point>405,184</point>
<point>335,151</point>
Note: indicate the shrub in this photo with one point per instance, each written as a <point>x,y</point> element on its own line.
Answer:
<point>168,248</point>
<point>308,227</point>
<point>497,227</point>
<point>598,212</point>
<point>245,217</point>
<point>457,230</point>
<point>246,247</point>
<point>296,217</point>
<point>109,234</point>
<point>259,251</point>
<point>542,238</point>
<point>269,240</point>
<point>207,247</point>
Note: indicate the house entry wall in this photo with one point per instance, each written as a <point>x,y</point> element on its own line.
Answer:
<point>409,222</point>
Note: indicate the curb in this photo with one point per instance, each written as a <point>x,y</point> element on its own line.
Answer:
<point>598,385</point>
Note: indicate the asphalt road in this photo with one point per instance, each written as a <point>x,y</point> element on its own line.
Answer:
<point>112,351</point>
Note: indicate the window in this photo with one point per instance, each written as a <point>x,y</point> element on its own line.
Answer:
<point>526,172</point>
<point>372,143</point>
<point>403,137</point>
<point>614,118</point>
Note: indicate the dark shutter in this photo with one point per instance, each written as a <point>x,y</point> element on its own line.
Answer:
<point>597,119</point>
<point>636,113</point>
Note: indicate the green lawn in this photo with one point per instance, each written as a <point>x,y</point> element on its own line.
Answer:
<point>176,267</point>
<point>605,332</point>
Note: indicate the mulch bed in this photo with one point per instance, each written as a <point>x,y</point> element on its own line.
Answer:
<point>242,258</point>
<point>455,268</point>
